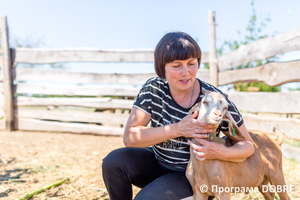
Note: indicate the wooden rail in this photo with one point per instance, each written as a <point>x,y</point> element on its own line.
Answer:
<point>1,86</point>
<point>267,102</point>
<point>2,125</point>
<point>63,76</point>
<point>44,56</point>
<point>261,49</point>
<point>39,125</point>
<point>73,116</point>
<point>291,152</point>
<point>99,103</point>
<point>2,101</point>
<point>289,126</point>
<point>66,90</point>
<point>272,74</point>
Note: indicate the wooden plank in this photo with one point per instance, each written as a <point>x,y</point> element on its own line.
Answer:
<point>1,60</point>
<point>204,75</point>
<point>2,101</point>
<point>99,103</point>
<point>272,74</point>
<point>267,102</point>
<point>63,76</point>
<point>261,49</point>
<point>289,126</point>
<point>291,152</point>
<point>2,113</point>
<point>1,87</point>
<point>92,90</point>
<point>39,125</point>
<point>205,57</point>
<point>212,49</point>
<point>7,76</point>
<point>2,125</point>
<point>54,55</point>
<point>72,116</point>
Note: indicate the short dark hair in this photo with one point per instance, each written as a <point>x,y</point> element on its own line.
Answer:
<point>174,46</point>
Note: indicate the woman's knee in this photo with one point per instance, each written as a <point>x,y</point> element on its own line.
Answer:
<point>125,156</point>
<point>113,159</point>
<point>130,162</point>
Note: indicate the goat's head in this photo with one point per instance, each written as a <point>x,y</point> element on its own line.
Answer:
<point>212,109</point>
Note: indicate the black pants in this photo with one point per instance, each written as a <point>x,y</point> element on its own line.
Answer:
<point>138,166</point>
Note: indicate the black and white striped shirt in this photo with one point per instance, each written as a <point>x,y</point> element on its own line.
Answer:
<point>156,100</point>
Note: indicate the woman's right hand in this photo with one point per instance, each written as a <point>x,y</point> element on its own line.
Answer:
<point>190,127</point>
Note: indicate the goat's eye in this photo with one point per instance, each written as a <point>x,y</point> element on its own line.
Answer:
<point>205,103</point>
<point>225,108</point>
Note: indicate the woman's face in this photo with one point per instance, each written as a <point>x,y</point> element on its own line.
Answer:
<point>181,74</point>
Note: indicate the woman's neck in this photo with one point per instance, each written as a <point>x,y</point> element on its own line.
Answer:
<point>186,98</point>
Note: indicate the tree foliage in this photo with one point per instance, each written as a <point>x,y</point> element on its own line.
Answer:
<point>253,33</point>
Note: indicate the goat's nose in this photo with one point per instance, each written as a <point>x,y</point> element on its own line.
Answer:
<point>217,113</point>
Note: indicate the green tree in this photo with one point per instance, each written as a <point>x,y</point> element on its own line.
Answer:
<point>253,33</point>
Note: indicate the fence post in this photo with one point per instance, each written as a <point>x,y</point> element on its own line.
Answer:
<point>212,49</point>
<point>7,77</point>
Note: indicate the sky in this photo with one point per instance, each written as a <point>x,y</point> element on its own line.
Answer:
<point>138,24</point>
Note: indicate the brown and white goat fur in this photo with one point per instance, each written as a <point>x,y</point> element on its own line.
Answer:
<point>261,168</point>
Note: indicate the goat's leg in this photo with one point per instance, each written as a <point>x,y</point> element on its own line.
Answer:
<point>189,173</point>
<point>277,179</point>
<point>200,196</point>
<point>266,193</point>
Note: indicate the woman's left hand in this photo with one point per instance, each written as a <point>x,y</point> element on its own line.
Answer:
<point>208,150</point>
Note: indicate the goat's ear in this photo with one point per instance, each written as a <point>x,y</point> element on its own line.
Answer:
<point>196,107</point>
<point>206,92</point>
<point>234,132</point>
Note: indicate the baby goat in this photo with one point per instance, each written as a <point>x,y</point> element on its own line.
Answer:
<point>263,167</point>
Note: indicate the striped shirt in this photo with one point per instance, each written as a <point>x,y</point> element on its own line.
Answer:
<point>156,100</point>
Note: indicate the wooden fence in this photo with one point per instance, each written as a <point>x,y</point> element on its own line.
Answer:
<point>112,94</point>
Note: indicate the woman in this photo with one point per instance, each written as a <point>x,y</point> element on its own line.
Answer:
<point>165,102</point>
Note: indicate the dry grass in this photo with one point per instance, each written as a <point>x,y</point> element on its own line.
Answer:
<point>31,160</point>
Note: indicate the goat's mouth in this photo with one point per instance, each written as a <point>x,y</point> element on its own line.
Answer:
<point>218,120</point>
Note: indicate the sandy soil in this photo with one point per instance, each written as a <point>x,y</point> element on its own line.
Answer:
<point>32,160</point>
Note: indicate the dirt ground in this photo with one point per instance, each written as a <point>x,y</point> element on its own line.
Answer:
<point>32,160</point>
